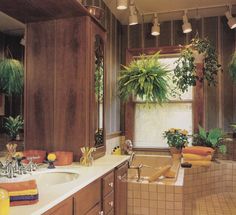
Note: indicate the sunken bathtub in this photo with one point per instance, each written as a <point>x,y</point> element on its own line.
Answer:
<point>160,197</point>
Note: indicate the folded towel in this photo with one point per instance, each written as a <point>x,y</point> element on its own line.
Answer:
<point>193,157</point>
<point>200,163</point>
<point>159,173</point>
<point>19,186</point>
<point>18,203</point>
<point>199,150</point>
<point>24,198</point>
<point>24,192</point>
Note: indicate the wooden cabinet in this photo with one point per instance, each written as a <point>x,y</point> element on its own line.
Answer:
<point>65,207</point>
<point>87,200</point>
<point>59,85</point>
<point>121,189</point>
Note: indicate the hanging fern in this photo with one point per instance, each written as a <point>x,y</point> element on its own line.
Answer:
<point>11,76</point>
<point>145,78</point>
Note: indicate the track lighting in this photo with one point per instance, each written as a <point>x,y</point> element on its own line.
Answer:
<point>187,28</point>
<point>133,17</point>
<point>231,20</point>
<point>121,4</point>
<point>156,26</point>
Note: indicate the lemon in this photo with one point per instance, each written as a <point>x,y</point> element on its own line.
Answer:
<point>51,157</point>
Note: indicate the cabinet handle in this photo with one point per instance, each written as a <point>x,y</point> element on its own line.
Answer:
<point>119,177</point>
<point>111,203</point>
<point>100,213</point>
<point>111,184</point>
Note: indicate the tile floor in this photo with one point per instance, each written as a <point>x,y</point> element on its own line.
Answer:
<point>217,204</point>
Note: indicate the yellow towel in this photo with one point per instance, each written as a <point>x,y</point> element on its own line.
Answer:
<point>200,163</point>
<point>159,173</point>
<point>193,157</point>
<point>24,192</point>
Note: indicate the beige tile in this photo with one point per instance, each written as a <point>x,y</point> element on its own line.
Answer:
<point>144,203</point>
<point>161,188</point>
<point>144,187</point>
<point>161,204</point>
<point>170,212</point>
<point>169,189</point>
<point>178,197</point>
<point>136,194</point>
<point>152,211</point>
<point>153,203</point>
<point>152,187</point>
<point>153,196</point>
<point>170,205</point>
<point>137,210</point>
<point>144,195</point>
<point>169,197</point>
<point>178,205</point>
<point>145,211</point>
<point>161,196</point>
<point>137,202</point>
<point>178,189</point>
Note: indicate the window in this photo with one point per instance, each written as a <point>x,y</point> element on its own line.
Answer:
<point>150,123</point>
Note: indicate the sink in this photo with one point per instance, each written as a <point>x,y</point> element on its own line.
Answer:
<point>46,179</point>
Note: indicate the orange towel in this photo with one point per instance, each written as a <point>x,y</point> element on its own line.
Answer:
<point>199,150</point>
<point>196,157</point>
<point>18,203</point>
<point>19,186</point>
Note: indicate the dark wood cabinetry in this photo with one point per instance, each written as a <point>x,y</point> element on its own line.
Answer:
<point>59,84</point>
<point>121,189</point>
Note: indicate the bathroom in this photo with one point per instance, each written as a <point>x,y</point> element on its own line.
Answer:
<point>108,146</point>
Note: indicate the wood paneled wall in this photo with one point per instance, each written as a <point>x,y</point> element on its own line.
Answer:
<point>113,62</point>
<point>220,101</point>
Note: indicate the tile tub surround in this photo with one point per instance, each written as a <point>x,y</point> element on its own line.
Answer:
<point>113,142</point>
<point>185,196</point>
<point>55,194</point>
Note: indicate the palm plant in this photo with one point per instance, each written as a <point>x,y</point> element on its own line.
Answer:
<point>13,126</point>
<point>145,78</point>
<point>212,138</point>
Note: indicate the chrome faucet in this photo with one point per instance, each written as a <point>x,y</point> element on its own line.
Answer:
<point>138,168</point>
<point>131,159</point>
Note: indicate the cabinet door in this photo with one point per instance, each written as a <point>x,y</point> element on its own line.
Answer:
<point>96,210</point>
<point>87,198</point>
<point>121,189</point>
<point>65,207</point>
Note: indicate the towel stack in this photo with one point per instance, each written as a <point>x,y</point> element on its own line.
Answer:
<point>22,193</point>
<point>198,155</point>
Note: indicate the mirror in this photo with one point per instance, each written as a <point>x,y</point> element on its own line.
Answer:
<point>99,91</point>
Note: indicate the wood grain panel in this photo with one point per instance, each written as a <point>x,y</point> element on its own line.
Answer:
<point>227,49</point>
<point>196,28</point>
<point>31,11</point>
<point>135,36</point>
<point>149,40</point>
<point>71,117</point>
<point>39,82</point>
<point>179,37</point>
<point>165,37</point>
<point>212,104</point>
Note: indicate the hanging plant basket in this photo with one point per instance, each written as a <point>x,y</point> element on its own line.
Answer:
<point>11,76</point>
<point>198,51</point>
<point>145,78</point>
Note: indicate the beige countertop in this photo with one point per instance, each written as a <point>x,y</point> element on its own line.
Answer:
<point>49,196</point>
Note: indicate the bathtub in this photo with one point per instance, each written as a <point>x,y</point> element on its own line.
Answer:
<point>151,163</point>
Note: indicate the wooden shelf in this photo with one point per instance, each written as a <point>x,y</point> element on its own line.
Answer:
<point>28,11</point>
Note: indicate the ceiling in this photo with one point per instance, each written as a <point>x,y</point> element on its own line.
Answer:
<point>173,9</point>
<point>10,26</point>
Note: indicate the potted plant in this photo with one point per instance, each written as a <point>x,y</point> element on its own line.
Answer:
<point>176,139</point>
<point>145,78</point>
<point>212,138</point>
<point>11,76</point>
<point>232,67</point>
<point>199,50</point>
<point>12,127</point>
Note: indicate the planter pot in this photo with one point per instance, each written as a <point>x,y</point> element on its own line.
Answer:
<point>198,58</point>
<point>175,153</point>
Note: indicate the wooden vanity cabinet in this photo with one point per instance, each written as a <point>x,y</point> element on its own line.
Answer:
<point>65,207</point>
<point>121,189</point>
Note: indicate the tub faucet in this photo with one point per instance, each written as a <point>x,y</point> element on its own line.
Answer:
<point>131,159</point>
<point>138,168</point>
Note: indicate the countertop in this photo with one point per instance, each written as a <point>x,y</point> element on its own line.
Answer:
<point>50,196</point>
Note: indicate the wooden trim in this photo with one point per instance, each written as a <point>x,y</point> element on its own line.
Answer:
<point>152,149</point>
<point>113,135</point>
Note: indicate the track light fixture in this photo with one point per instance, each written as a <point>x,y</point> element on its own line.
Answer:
<point>187,28</point>
<point>121,4</point>
<point>133,17</point>
<point>156,26</point>
<point>231,20</point>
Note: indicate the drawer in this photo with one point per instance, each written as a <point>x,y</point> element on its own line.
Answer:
<point>96,210</point>
<point>111,212</point>
<point>108,203</point>
<point>108,183</point>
